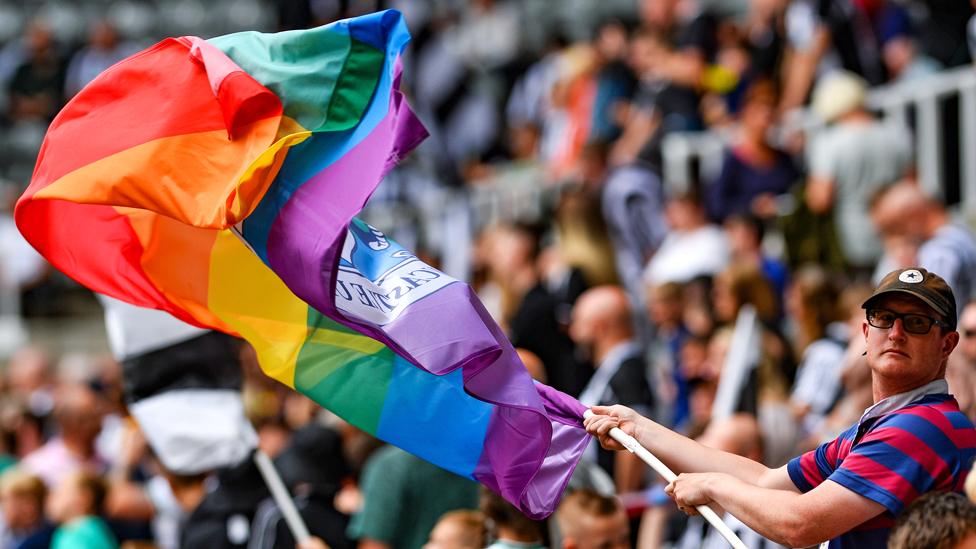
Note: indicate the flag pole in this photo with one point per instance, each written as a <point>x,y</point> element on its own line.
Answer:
<point>634,447</point>
<point>281,497</point>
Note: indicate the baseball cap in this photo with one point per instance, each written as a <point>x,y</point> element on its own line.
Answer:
<point>927,286</point>
<point>837,94</point>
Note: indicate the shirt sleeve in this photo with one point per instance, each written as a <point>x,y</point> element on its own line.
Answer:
<point>822,157</point>
<point>893,464</point>
<point>382,501</point>
<point>810,469</point>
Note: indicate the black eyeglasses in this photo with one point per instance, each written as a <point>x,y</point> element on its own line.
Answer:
<point>913,323</point>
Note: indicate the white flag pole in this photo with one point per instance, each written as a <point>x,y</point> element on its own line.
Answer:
<point>282,497</point>
<point>634,447</point>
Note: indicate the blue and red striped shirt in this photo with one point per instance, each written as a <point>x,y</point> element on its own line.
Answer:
<point>893,458</point>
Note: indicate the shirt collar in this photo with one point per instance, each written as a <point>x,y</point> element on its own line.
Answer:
<point>619,353</point>
<point>894,402</point>
<point>594,390</point>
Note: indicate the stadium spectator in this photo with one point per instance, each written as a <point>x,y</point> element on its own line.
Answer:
<point>694,247</point>
<point>850,161</point>
<point>507,526</point>
<point>75,504</point>
<point>36,87</point>
<point>754,173</point>
<point>458,530</point>
<point>820,339</point>
<point>941,520</point>
<point>314,469</point>
<point>602,328</point>
<point>403,497</point>
<point>22,498</point>
<point>104,49</point>
<point>909,332</point>
<point>79,421</point>
<point>946,247</point>
<point>588,520</point>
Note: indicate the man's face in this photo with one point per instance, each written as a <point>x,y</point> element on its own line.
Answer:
<point>610,532</point>
<point>582,328</point>
<point>905,359</point>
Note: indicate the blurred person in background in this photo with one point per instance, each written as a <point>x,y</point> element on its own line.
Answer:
<point>615,82</point>
<point>941,520</point>
<point>36,87</point>
<point>508,528</point>
<point>22,503</point>
<point>589,520</point>
<point>105,48</point>
<point>79,419</point>
<point>825,35</point>
<point>745,233</point>
<point>754,173</point>
<point>961,373</point>
<point>693,247</point>
<point>30,380</point>
<point>313,469</point>
<point>666,313</point>
<point>850,161</point>
<point>945,246</point>
<point>764,392</point>
<point>855,374</point>
<point>603,329</point>
<point>403,498</point>
<point>820,340</point>
<point>581,256</point>
<point>76,505</point>
<point>530,310</point>
<point>903,58</point>
<point>458,530</point>
<point>702,360</point>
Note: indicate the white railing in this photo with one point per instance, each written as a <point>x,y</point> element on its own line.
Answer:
<point>893,102</point>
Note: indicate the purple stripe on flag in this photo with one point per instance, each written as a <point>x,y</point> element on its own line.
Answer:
<point>527,456</point>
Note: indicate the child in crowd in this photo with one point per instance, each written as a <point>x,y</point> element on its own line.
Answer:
<point>76,504</point>
<point>461,529</point>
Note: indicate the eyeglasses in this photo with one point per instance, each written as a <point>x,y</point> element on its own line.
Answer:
<point>913,323</point>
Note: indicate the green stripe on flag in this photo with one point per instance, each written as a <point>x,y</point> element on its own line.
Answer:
<point>305,68</point>
<point>346,372</point>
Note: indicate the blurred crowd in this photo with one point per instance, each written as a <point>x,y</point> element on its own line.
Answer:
<point>618,287</point>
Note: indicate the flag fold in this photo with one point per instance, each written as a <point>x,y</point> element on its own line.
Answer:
<point>218,180</point>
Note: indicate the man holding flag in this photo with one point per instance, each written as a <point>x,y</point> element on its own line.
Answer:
<point>912,440</point>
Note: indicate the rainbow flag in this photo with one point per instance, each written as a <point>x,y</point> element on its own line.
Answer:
<point>218,180</point>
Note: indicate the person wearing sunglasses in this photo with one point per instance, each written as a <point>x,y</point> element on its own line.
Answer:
<point>912,440</point>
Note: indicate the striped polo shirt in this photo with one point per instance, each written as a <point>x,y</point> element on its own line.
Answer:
<point>902,447</point>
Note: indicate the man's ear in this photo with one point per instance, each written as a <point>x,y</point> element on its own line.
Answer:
<point>949,343</point>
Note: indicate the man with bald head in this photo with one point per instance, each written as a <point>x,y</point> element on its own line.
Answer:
<point>905,211</point>
<point>603,329</point>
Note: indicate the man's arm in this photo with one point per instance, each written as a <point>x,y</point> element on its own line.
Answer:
<point>819,194</point>
<point>680,453</point>
<point>786,517</point>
